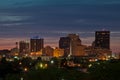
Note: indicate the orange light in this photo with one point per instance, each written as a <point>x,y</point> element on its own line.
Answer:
<point>31,53</point>
<point>46,65</point>
<point>20,63</point>
<point>25,69</point>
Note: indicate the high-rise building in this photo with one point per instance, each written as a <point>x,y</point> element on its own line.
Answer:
<point>23,47</point>
<point>72,45</point>
<point>64,43</point>
<point>77,49</point>
<point>102,39</point>
<point>36,44</point>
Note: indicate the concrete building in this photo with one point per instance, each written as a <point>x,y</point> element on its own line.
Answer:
<point>36,44</point>
<point>72,45</point>
<point>48,51</point>
<point>64,43</point>
<point>98,53</point>
<point>24,47</point>
<point>102,39</point>
<point>77,49</point>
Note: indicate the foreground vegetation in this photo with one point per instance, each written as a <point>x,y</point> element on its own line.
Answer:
<point>99,70</point>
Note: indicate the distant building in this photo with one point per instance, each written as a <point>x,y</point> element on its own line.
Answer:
<point>5,53</point>
<point>72,45</point>
<point>77,49</point>
<point>102,39</point>
<point>100,48</point>
<point>36,44</point>
<point>64,43</point>
<point>23,47</point>
<point>14,51</point>
<point>98,52</point>
<point>48,51</point>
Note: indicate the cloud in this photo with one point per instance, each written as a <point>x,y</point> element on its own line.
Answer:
<point>6,18</point>
<point>81,17</point>
<point>25,3</point>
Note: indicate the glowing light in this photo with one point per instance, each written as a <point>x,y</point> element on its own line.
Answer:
<point>20,63</point>
<point>46,65</point>
<point>109,56</point>
<point>62,79</point>
<point>90,65</point>
<point>91,60</point>
<point>21,78</point>
<point>103,58</point>
<point>16,58</point>
<point>25,69</point>
<point>78,65</point>
<point>98,63</point>
<point>16,54</point>
<point>37,53</point>
<point>41,65</point>
<point>96,59</point>
<point>31,53</point>
<point>52,62</point>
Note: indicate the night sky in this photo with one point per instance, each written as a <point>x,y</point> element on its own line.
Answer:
<point>51,19</point>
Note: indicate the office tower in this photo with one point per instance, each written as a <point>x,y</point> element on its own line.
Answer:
<point>75,40</point>
<point>102,39</point>
<point>23,47</point>
<point>72,45</point>
<point>36,44</point>
<point>64,43</point>
<point>77,49</point>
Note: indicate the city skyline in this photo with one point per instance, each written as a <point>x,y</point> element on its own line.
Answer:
<point>21,20</point>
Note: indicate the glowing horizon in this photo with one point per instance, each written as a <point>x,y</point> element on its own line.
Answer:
<point>9,43</point>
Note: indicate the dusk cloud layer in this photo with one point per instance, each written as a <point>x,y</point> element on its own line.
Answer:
<point>23,3</point>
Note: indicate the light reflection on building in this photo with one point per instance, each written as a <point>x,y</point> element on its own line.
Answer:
<point>58,52</point>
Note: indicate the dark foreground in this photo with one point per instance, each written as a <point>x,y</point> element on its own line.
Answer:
<point>100,70</point>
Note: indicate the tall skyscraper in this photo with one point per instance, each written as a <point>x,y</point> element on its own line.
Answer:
<point>72,45</point>
<point>36,44</point>
<point>23,47</point>
<point>64,43</point>
<point>76,48</point>
<point>102,39</point>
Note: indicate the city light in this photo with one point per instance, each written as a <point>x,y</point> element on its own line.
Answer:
<point>20,63</point>
<point>15,57</point>
<point>25,69</point>
<point>41,65</point>
<point>90,65</point>
<point>51,61</point>
<point>21,78</point>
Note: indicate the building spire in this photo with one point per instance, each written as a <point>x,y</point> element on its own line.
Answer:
<point>70,49</point>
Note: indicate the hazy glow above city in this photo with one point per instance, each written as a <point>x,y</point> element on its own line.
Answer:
<point>52,19</point>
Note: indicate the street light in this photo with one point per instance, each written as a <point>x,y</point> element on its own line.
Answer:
<point>25,69</point>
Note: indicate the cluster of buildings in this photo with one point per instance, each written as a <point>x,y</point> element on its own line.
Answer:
<point>70,45</point>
